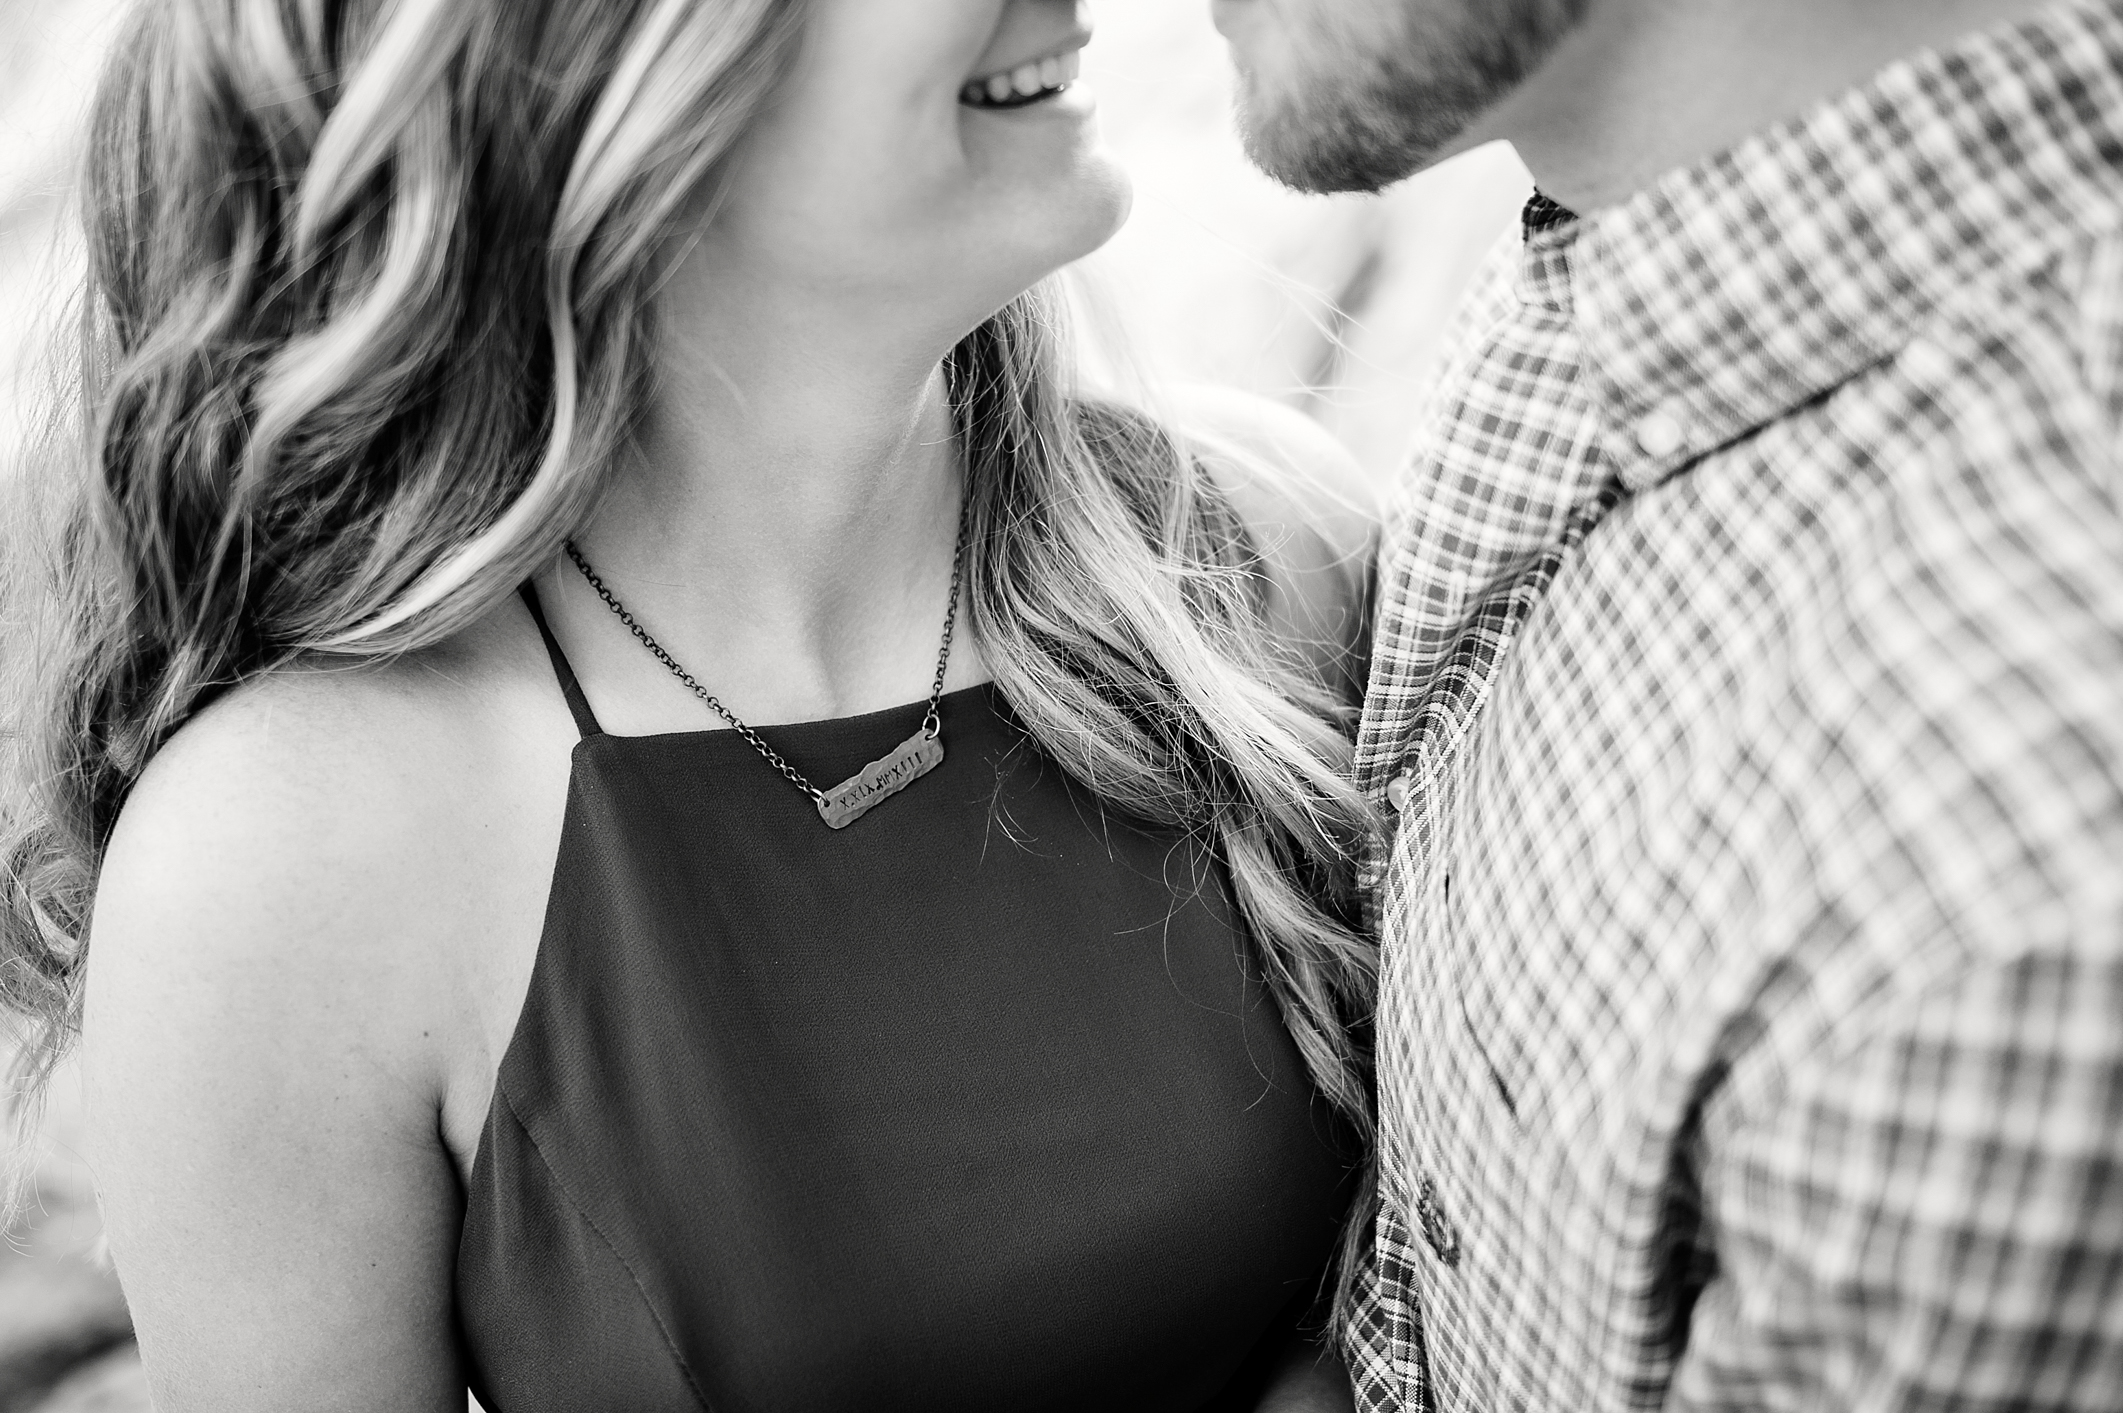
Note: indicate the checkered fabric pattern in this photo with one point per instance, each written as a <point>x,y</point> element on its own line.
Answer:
<point>1749,681</point>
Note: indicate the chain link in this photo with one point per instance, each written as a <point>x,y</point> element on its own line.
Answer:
<point>932,723</point>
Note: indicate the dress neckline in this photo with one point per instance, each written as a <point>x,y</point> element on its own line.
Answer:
<point>587,723</point>
<point>834,726</point>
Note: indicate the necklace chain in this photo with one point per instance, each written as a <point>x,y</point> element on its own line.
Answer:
<point>932,723</point>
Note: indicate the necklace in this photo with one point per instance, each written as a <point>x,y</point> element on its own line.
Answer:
<point>876,782</point>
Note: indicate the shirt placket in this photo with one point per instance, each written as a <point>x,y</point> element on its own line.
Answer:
<point>1422,1244</point>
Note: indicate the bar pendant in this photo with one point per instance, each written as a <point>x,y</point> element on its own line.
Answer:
<point>880,780</point>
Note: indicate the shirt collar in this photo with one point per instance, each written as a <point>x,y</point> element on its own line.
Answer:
<point>1733,292</point>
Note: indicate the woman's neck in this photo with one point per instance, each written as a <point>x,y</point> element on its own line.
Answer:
<point>789,507</point>
<point>801,494</point>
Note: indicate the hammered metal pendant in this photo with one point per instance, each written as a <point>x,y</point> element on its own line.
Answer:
<point>880,780</point>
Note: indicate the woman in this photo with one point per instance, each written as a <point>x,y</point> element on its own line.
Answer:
<point>504,411</point>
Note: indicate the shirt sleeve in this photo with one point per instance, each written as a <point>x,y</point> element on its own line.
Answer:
<point>1933,1219</point>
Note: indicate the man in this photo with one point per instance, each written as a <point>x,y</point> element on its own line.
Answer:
<point>1748,704</point>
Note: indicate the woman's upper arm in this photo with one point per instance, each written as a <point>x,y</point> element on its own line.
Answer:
<point>1313,513</point>
<point>262,1087</point>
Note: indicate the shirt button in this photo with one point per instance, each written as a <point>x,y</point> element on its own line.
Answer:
<point>1398,790</point>
<point>1438,1231</point>
<point>1661,434</point>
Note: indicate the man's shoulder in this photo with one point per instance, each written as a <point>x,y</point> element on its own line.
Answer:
<point>2025,365</point>
<point>2089,292</point>
<point>1941,706</point>
<point>1946,526</point>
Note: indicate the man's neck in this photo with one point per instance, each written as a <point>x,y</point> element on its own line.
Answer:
<point>1645,87</point>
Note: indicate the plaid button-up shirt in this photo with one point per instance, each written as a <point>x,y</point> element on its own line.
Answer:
<point>1749,681</point>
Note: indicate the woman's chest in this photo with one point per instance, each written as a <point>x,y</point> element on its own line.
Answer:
<point>977,1103</point>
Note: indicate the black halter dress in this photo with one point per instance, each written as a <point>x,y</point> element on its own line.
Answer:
<point>976,1104</point>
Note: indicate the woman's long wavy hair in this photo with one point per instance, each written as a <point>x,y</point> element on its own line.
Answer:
<point>367,321</point>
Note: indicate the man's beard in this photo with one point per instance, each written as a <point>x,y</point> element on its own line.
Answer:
<point>1361,112</point>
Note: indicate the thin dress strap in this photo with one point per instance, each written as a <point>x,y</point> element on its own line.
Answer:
<point>585,719</point>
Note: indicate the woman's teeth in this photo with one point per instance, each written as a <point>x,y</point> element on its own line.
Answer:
<point>1027,83</point>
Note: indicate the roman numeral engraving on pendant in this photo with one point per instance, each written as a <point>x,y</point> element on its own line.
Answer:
<point>880,780</point>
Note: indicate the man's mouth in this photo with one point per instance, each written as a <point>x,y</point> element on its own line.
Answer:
<point>1032,82</point>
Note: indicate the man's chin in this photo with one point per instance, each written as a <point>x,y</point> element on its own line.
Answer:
<point>1325,153</point>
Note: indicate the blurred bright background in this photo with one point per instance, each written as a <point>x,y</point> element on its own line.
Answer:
<point>1333,305</point>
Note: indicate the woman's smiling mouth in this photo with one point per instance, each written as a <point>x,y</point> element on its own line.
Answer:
<point>1031,82</point>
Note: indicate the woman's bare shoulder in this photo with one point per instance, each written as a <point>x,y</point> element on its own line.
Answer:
<point>298,929</point>
<point>359,783</point>
<point>1310,507</point>
<point>324,855</point>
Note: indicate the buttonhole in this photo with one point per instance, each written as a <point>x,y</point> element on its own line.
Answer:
<point>1474,1033</point>
<point>1496,1076</point>
<point>1503,1091</point>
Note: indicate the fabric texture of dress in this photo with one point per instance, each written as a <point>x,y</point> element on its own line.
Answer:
<point>978,1103</point>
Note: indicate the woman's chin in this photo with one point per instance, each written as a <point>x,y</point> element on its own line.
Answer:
<point>1008,265</point>
<point>1105,197</point>
<point>1048,224</point>
<point>1070,236</point>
